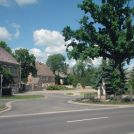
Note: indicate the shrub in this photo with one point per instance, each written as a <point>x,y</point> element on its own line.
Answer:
<point>57,87</point>
<point>127,99</point>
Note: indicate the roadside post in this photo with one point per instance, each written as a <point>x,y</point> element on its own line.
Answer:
<point>1,81</point>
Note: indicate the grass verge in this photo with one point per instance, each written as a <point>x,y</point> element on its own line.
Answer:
<point>112,102</point>
<point>2,107</point>
<point>22,97</point>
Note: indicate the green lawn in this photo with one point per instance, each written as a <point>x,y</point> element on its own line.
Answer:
<point>22,97</point>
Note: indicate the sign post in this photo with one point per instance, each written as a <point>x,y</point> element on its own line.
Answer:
<point>1,80</point>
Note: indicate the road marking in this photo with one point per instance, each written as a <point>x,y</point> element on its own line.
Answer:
<point>73,121</point>
<point>57,112</point>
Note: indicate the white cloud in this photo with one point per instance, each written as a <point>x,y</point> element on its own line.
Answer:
<point>39,54</point>
<point>5,34</point>
<point>130,66</point>
<point>17,28</point>
<point>71,62</point>
<point>53,41</point>
<point>48,38</point>
<point>42,55</point>
<point>97,61</point>
<point>25,2</point>
<point>4,2</point>
<point>55,49</point>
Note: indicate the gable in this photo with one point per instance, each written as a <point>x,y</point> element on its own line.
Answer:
<point>7,57</point>
<point>43,70</point>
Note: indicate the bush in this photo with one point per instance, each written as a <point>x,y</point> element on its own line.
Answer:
<point>91,97</point>
<point>57,87</point>
<point>6,91</point>
<point>127,99</point>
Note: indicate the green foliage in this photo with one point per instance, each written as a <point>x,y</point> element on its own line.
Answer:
<point>131,81</point>
<point>22,97</point>
<point>83,74</point>
<point>57,87</point>
<point>72,80</point>
<point>5,46</point>
<point>110,74</point>
<point>7,77</point>
<point>27,62</point>
<point>106,31</point>
<point>57,64</point>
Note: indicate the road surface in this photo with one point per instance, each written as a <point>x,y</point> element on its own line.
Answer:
<point>55,116</point>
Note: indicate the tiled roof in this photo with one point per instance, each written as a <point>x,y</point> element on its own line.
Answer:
<point>7,57</point>
<point>43,70</point>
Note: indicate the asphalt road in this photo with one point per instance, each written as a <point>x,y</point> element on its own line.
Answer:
<point>55,116</point>
<point>110,121</point>
<point>52,102</point>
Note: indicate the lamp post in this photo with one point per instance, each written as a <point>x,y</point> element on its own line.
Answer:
<point>20,77</point>
<point>1,80</point>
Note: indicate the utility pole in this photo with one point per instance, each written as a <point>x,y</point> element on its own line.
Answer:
<point>1,81</point>
<point>20,77</point>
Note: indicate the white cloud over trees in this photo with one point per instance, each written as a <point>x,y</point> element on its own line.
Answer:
<point>5,35</point>
<point>26,2</point>
<point>20,3</point>
<point>53,41</point>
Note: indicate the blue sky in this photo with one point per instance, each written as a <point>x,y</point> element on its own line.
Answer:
<point>25,23</point>
<point>37,24</point>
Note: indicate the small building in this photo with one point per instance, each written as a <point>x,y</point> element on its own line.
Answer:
<point>8,61</point>
<point>45,77</point>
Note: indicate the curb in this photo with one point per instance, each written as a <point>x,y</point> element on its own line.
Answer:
<point>108,105</point>
<point>8,107</point>
<point>4,108</point>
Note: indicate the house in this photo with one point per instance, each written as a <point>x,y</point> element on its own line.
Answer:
<point>8,61</point>
<point>45,76</point>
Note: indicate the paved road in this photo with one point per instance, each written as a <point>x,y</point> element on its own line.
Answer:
<point>53,102</point>
<point>116,121</point>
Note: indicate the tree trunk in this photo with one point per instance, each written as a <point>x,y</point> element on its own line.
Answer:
<point>122,80</point>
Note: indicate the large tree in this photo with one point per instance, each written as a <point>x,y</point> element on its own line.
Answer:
<point>27,62</point>
<point>57,64</point>
<point>106,31</point>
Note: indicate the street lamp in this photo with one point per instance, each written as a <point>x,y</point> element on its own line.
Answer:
<point>1,80</point>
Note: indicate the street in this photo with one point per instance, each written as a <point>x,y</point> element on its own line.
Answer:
<point>68,119</point>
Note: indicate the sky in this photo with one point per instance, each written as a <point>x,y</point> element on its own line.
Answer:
<point>37,25</point>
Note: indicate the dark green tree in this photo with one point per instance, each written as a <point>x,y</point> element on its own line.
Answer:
<point>106,31</point>
<point>27,62</point>
<point>57,64</point>
<point>7,77</point>
<point>110,76</point>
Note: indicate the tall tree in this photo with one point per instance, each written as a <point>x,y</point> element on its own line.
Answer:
<point>27,62</point>
<point>57,64</point>
<point>106,31</point>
